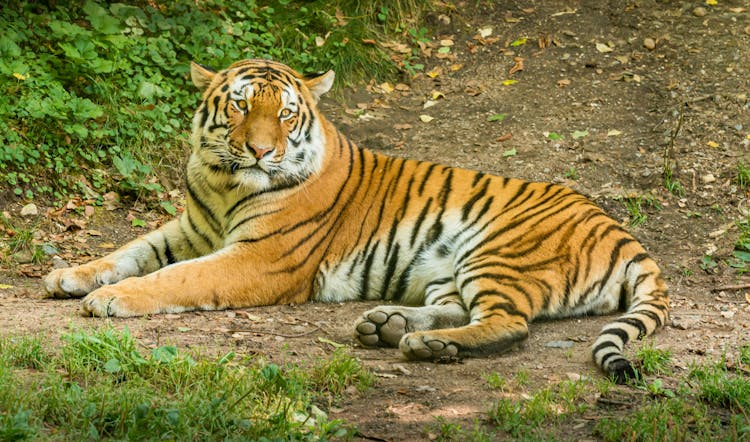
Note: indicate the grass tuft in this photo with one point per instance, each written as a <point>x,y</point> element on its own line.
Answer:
<point>653,360</point>
<point>101,386</point>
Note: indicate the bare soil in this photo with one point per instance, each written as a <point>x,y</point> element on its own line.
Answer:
<point>586,67</point>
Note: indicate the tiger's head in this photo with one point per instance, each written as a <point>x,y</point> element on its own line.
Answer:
<point>257,124</point>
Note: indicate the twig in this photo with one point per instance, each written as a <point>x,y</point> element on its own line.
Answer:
<point>263,332</point>
<point>731,287</point>
<point>669,148</point>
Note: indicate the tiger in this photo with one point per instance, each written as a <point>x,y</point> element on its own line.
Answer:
<point>282,208</point>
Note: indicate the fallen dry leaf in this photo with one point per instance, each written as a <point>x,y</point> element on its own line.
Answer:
<point>434,72</point>
<point>564,82</point>
<point>603,48</point>
<point>386,87</point>
<point>426,118</point>
<point>516,67</point>
<point>435,95</point>
<point>504,137</point>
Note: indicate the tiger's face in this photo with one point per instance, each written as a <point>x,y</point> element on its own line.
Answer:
<point>257,123</point>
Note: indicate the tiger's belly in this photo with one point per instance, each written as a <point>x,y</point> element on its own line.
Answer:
<point>378,275</point>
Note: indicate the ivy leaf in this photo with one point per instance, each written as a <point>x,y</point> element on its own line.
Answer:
<point>137,222</point>
<point>168,207</point>
<point>510,152</point>
<point>100,19</point>
<point>554,136</point>
<point>496,117</point>
<point>519,42</point>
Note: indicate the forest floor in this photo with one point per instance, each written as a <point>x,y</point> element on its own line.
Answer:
<point>605,92</point>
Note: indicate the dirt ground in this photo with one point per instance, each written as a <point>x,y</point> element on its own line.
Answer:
<point>623,83</point>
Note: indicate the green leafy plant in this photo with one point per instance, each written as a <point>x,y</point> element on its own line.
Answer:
<point>743,175</point>
<point>101,90</point>
<point>572,174</point>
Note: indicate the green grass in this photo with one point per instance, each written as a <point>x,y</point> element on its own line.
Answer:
<point>743,175</point>
<point>635,206</point>
<point>101,385</point>
<point>710,402</point>
<point>523,418</point>
<point>653,361</point>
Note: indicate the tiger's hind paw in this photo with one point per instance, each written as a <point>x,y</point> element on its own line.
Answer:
<point>380,328</point>
<point>425,346</point>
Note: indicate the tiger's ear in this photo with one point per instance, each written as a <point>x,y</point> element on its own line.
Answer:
<point>320,84</point>
<point>201,75</point>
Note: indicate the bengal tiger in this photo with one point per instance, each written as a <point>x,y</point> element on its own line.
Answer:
<point>283,208</point>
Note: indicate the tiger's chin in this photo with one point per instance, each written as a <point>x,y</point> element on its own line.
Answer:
<point>253,178</point>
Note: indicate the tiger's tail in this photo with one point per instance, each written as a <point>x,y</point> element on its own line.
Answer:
<point>648,309</point>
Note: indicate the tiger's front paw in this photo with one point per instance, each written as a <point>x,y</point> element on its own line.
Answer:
<point>75,282</point>
<point>112,300</point>
<point>427,346</point>
<point>381,328</point>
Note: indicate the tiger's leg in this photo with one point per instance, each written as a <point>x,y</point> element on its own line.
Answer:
<point>169,244</point>
<point>385,325</point>
<point>211,282</point>
<point>499,315</point>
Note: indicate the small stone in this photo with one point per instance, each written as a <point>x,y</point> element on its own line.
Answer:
<point>49,249</point>
<point>685,322</point>
<point>700,11</point>
<point>559,344</point>
<point>708,178</point>
<point>649,43</point>
<point>29,210</point>
<point>729,314</point>
<point>59,263</point>
<point>23,257</point>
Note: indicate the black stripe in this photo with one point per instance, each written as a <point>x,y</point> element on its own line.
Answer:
<point>634,322</point>
<point>426,178</point>
<point>619,332</point>
<point>390,270</point>
<point>466,209</point>
<point>156,253</point>
<point>168,252</point>
<point>207,213</point>
<point>420,219</point>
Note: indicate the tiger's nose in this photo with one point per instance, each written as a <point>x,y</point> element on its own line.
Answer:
<point>259,151</point>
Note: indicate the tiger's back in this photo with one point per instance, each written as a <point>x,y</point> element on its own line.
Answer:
<point>283,208</point>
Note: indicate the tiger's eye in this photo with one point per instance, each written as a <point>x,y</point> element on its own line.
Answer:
<point>242,104</point>
<point>285,113</point>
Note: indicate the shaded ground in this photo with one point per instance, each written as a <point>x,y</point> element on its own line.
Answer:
<point>585,69</point>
